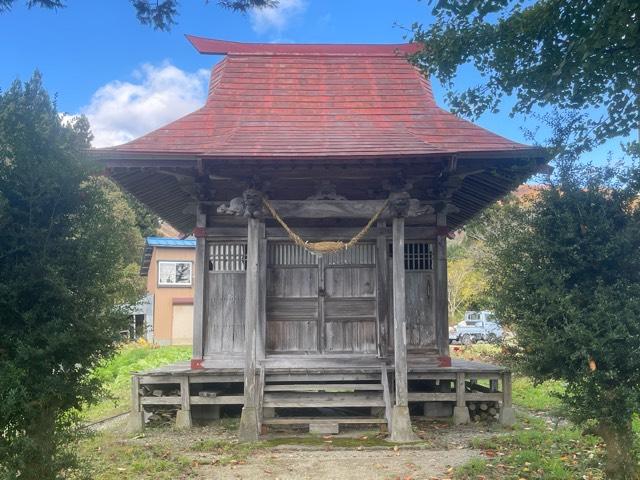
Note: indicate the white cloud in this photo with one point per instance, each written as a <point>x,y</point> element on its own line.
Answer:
<point>276,19</point>
<point>121,111</point>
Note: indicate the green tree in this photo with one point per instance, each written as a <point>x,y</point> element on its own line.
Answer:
<point>159,14</point>
<point>147,222</point>
<point>573,55</point>
<point>465,282</point>
<point>67,241</point>
<point>564,272</point>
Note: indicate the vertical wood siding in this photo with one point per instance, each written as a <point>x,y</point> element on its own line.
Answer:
<point>224,326</point>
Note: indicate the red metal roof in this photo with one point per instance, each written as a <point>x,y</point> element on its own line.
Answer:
<point>316,101</point>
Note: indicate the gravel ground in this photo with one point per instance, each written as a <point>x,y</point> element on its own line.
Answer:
<point>343,464</point>
<point>442,447</point>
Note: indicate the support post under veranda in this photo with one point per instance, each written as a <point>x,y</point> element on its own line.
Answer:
<point>507,415</point>
<point>136,416</point>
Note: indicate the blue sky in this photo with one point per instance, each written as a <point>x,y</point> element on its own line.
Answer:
<point>129,79</point>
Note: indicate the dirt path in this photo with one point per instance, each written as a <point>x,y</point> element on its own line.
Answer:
<point>343,465</point>
<point>213,452</point>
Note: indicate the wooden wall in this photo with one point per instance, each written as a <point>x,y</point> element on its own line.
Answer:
<point>318,305</point>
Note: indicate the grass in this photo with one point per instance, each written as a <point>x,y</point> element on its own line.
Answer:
<point>541,397</point>
<point>110,458</point>
<point>534,450</point>
<point>116,374</point>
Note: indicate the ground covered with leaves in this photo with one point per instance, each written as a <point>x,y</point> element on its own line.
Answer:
<point>542,445</point>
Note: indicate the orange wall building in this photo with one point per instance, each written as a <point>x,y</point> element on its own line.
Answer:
<point>168,265</point>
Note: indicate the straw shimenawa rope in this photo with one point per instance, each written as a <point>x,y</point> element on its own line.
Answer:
<point>326,246</point>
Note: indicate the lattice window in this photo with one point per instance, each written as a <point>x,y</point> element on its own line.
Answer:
<point>359,254</point>
<point>417,255</point>
<point>228,257</point>
<point>289,254</point>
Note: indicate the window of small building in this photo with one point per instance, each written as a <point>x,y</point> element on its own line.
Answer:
<point>174,273</point>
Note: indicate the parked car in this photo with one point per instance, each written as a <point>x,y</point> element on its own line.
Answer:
<point>476,327</point>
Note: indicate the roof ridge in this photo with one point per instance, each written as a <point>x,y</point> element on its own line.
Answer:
<point>212,46</point>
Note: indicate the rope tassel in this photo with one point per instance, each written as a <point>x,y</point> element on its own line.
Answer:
<point>321,248</point>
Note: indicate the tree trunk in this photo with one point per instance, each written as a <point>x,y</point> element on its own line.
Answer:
<point>620,454</point>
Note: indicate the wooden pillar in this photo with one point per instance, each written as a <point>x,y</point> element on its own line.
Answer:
<point>200,277</point>
<point>183,416</point>
<point>249,419</point>
<point>507,415</point>
<point>136,416</point>
<point>460,411</point>
<point>401,430</point>
<point>442,307</point>
<point>261,331</point>
<point>382,267</point>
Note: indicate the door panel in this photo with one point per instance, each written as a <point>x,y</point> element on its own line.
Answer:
<point>333,295</point>
<point>419,309</point>
<point>292,299</point>
<point>349,303</point>
<point>226,285</point>
<point>419,292</point>
<point>225,313</point>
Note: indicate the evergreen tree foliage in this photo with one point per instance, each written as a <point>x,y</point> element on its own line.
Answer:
<point>159,14</point>
<point>564,273</point>
<point>67,245</point>
<point>574,55</point>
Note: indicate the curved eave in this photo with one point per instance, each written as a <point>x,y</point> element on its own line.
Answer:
<point>136,158</point>
<point>211,46</point>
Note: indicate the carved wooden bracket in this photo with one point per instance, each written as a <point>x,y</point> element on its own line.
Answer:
<point>252,203</point>
<point>399,203</point>
<point>249,205</point>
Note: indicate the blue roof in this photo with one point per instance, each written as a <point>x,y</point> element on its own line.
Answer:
<point>171,242</point>
<point>162,242</point>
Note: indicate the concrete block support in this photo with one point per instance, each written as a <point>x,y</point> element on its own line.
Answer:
<point>401,431</point>
<point>135,423</point>
<point>507,415</point>
<point>324,428</point>
<point>248,431</point>
<point>461,415</point>
<point>183,419</point>
<point>438,409</point>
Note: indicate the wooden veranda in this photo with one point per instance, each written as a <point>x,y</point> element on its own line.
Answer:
<point>299,144</point>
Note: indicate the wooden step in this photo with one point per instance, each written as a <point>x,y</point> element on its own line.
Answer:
<point>324,387</point>
<point>319,420</point>
<point>321,399</point>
